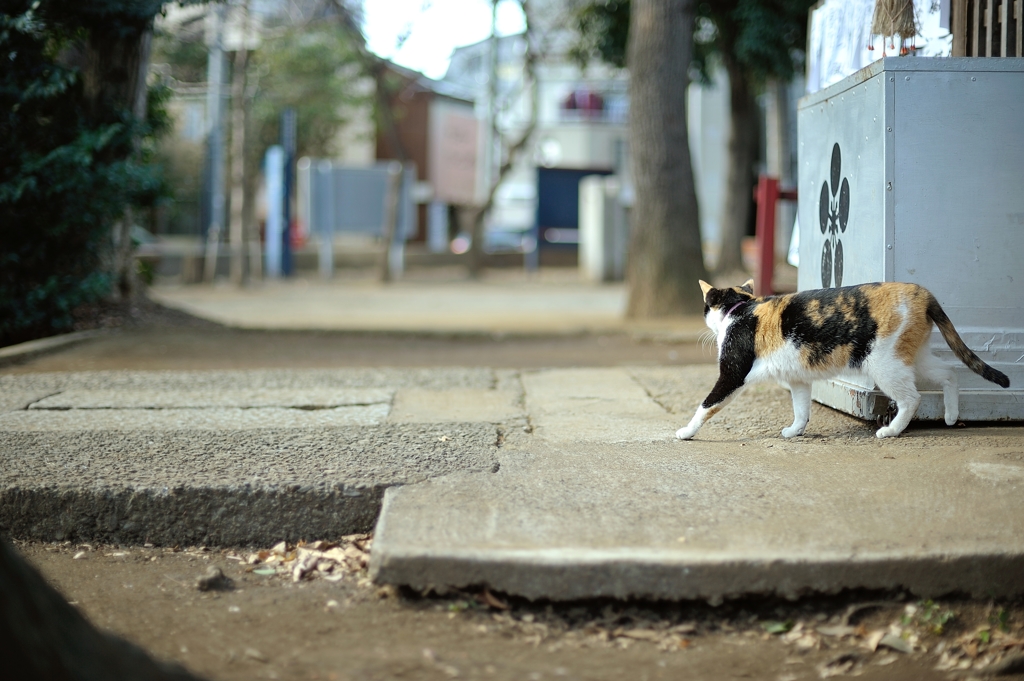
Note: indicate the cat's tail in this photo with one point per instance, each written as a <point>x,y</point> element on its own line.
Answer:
<point>960,349</point>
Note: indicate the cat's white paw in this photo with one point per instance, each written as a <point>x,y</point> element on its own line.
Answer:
<point>888,431</point>
<point>951,418</point>
<point>686,433</point>
<point>793,431</point>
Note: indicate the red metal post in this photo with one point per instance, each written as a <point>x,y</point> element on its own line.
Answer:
<point>766,195</point>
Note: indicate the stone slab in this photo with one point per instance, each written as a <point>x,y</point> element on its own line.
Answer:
<point>710,522</point>
<point>16,400</point>
<point>603,405</point>
<point>214,419</point>
<point>585,509</point>
<point>255,379</point>
<point>417,405</point>
<point>224,457</point>
<point>249,487</point>
<point>13,354</point>
<point>243,398</point>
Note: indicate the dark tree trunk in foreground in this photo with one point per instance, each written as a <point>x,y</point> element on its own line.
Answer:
<point>740,182</point>
<point>43,637</point>
<point>665,259</point>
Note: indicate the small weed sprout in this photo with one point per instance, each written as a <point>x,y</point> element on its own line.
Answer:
<point>928,615</point>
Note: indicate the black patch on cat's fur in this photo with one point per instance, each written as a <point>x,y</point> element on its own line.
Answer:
<point>737,356</point>
<point>835,330</point>
<point>724,298</point>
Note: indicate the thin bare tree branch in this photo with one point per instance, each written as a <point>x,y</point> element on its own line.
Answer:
<point>377,69</point>
<point>530,59</point>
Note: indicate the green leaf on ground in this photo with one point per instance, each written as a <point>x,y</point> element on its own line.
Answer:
<point>777,627</point>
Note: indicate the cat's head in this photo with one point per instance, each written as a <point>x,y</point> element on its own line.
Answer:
<point>718,302</point>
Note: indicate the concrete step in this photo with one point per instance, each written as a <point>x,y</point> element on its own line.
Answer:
<point>235,458</point>
<point>601,501</point>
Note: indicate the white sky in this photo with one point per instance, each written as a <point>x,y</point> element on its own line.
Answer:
<point>435,28</point>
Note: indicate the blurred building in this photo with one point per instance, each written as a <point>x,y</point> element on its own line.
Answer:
<point>580,129</point>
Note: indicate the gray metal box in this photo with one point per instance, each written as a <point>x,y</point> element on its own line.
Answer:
<point>922,159</point>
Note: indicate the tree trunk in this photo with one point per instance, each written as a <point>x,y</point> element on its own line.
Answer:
<point>739,186</point>
<point>665,258</point>
<point>114,77</point>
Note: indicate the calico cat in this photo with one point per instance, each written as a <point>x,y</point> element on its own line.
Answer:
<point>880,330</point>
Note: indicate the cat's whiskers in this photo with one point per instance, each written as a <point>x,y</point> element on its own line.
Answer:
<point>708,341</point>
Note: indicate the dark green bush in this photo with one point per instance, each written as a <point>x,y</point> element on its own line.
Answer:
<point>63,183</point>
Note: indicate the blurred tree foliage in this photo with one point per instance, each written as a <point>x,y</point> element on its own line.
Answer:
<point>756,41</point>
<point>308,65</point>
<point>602,30</point>
<point>313,69</point>
<point>72,158</point>
<point>765,37</point>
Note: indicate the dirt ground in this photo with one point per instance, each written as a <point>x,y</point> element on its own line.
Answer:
<point>337,625</point>
<point>269,626</point>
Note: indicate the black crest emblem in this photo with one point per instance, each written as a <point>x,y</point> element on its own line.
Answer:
<point>834,212</point>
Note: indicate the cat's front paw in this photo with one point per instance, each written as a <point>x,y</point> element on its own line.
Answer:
<point>951,418</point>
<point>686,433</point>
<point>793,431</point>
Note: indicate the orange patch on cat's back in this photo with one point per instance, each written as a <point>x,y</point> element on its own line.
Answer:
<point>889,303</point>
<point>768,335</point>
<point>814,312</point>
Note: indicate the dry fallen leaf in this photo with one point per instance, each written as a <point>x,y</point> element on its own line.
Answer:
<point>896,643</point>
<point>839,666</point>
<point>837,630</point>
<point>872,639</point>
<point>490,599</point>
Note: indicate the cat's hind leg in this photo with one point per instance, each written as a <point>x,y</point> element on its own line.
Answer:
<point>801,393</point>
<point>897,381</point>
<point>934,369</point>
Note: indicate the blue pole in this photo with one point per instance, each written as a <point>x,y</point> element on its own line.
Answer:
<point>288,141</point>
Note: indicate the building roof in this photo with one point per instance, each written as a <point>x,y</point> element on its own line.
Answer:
<point>441,88</point>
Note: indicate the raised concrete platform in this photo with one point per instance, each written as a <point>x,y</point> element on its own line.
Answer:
<point>502,303</point>
<point>559,484</point>
<point>227,458</point>
<point>602,501</point>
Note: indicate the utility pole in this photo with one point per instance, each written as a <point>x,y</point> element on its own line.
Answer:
<point>237,226</point>
<point>215,141</point>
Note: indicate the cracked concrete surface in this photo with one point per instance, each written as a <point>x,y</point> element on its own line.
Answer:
<point>553,483</point>
<point>226,458</point>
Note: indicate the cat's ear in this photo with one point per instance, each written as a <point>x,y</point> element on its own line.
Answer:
<point>705,287</point>
<point>748,286</point>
